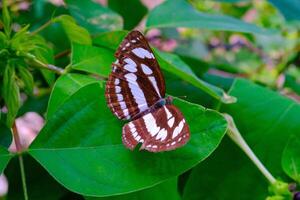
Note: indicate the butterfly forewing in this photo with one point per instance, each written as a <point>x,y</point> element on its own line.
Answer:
<point>161,130</point>
<point>136,82</point>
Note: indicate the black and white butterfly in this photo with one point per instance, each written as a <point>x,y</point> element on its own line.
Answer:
<point>135,91</point>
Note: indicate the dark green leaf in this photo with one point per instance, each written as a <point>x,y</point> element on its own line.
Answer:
<point>198,66</point>
<point>74,32</point>
<point>94,17</point>
<point>92,59</point>
<point>5,156</point>
<point>132,11</point>
<point>165,15</point>
<point>227,174</point>
<point>162,191</point>
<point>11,94</point>
<point>27,78</point>
<point>5,135</point>
<point>84,128</point>
<point>65,87</point>
<point>36,104</point>
<point>291,158</point>
<point>289,8</point>
<point>40,184</point>
<point>266,120</point>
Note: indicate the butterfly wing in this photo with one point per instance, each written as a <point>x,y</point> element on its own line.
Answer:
<point>164,129</point>
<point>136,81</point>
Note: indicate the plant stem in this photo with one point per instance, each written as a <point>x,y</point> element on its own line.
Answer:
<point>23,176</point>
<point>16,137</point>
<point>235,135</point>
<point>50,67</point>
<point>19,150</point>
<point>41,27</point>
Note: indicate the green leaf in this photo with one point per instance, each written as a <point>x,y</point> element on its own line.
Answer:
<point>165,15</point>
<point>94,17</point>
<point>11,94</point>
<point>162,191</point>
<point>132,11</point>
<point>6,18</point>
<point>92,59</point>
<point>27,78</point>
<point>110,40</point>
<point>74,32</point>
<point>173,64</point>
<point>5,135</point>
<point>5,156</point>
<point>289,8</point>
<point>227,174</point>
<point>290,158</point>
<point>266,120</point>
<point>84,128</point>
<point>65,87</point>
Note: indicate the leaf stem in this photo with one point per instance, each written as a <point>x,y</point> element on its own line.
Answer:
<point>50,67</point>
<point>23,176</point>
<point>41,27</point>
<point>235,135</point>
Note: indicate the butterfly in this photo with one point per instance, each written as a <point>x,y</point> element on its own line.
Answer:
<point>135,91</point>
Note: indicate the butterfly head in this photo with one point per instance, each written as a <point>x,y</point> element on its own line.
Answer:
<point>169,100</point>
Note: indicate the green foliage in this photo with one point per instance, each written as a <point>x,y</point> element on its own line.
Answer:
<point>92,59</point>
<point>289,8</point>
<point>164,16</point>
<point>65,87</point>
<point>164,190</point>
<point>264,128</point>
<point>73,140</point>
<point>94,17</point>
<point>5,156</point>
<point>74,32</point>
<point>290,158</point>
<point>132,11</point>
<point>10,93</point>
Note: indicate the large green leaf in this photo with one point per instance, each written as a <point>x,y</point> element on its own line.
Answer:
<point>162,191</point>
<point>266,120</point>
<point>92,59</point>
<point>5,156</point>
<point>65,87</point>
<point>289,8</point>
<point>94,17</point>
<point>132,11</point>
<point>291,158</point>
<point>84,129</point>
<point>165,15</point>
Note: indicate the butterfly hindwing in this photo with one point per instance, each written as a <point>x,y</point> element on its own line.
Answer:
<point>136,82</point>
<point>161,130</point>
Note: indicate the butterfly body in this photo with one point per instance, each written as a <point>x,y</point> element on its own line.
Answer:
<point>135,91</point>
